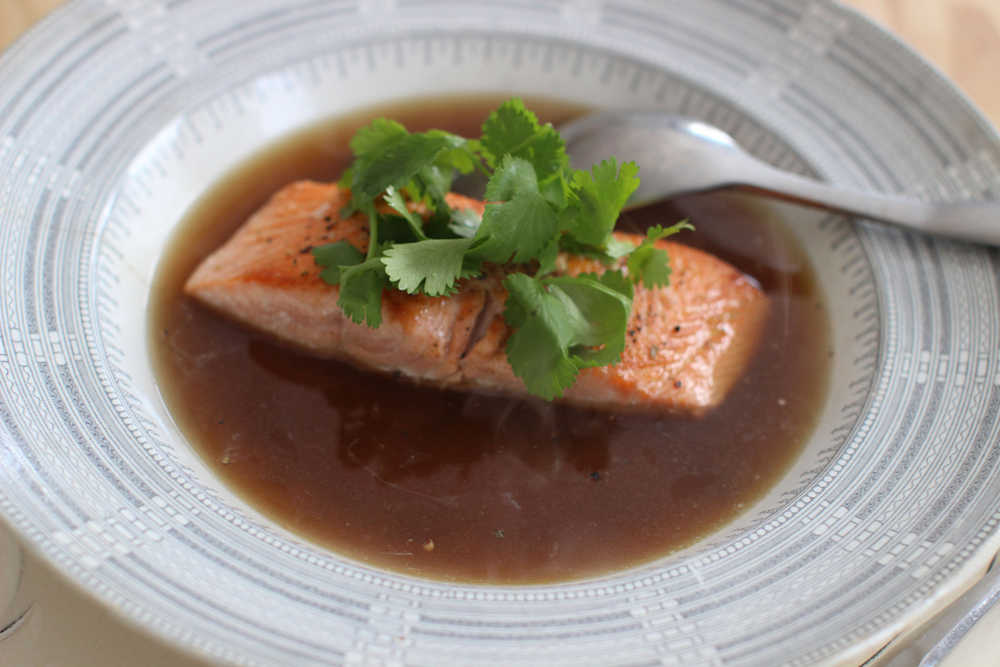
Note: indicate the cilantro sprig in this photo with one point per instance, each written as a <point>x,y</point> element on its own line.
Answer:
<point>536,207</point>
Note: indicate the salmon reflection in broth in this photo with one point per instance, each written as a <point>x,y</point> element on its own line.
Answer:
<point>457,486</point>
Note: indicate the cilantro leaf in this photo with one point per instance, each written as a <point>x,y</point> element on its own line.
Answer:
<point>395,201</point>
<point>598,315</point>
<point>512,176</point>
<point>395,162</point>
<point>334,257</point>
<point>373,137</point>
<point>596,199</point>
<point>514,130</point>
<point>650,264</point>
<point>361,288</point>
<point>517,230</point>
<point>616,249</point>
<point>386,155</point>
<point>547,257</point>
<point>430,185</point>
<point>562,324</point>
<point>556,189</point>
<point>430,267</point>
<point>537,350</point>
<point>460,154</point>
<point>616,280</point>
<point>507,129</point>
<point>464,222</point>
<point>520,227</point>
<point>536,356</point>
<point>570,245</point>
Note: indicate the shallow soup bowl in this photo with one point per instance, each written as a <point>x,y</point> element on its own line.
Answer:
<point>114,120</point>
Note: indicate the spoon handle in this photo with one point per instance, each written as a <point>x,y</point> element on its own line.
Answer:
<point>969,221</point>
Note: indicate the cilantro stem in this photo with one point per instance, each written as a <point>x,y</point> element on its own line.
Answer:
<point>483,169</point>
<point>372,230</point>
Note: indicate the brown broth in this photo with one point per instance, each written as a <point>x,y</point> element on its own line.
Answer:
<point>457,486</point>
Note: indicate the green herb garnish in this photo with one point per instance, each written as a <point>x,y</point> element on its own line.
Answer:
<point>536,207</point>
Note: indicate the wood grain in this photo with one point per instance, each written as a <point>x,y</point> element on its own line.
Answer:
<point>16,16</point>
<point>961,37</point>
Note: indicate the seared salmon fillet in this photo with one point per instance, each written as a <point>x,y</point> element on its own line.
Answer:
<point>687,344</point>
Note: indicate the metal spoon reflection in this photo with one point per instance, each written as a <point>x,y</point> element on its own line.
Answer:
<point>679,155</point>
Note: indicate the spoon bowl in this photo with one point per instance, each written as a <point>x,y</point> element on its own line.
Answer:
<point>678,155</point>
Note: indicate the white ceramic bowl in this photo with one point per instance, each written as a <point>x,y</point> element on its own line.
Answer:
<point>115,116</point>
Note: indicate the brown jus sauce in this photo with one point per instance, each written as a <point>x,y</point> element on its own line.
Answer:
<point>457,486</point>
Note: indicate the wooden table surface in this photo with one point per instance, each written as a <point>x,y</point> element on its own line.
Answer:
<point>962,37</point>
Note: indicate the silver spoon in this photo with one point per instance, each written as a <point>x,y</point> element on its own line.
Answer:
<point>679,156</point>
